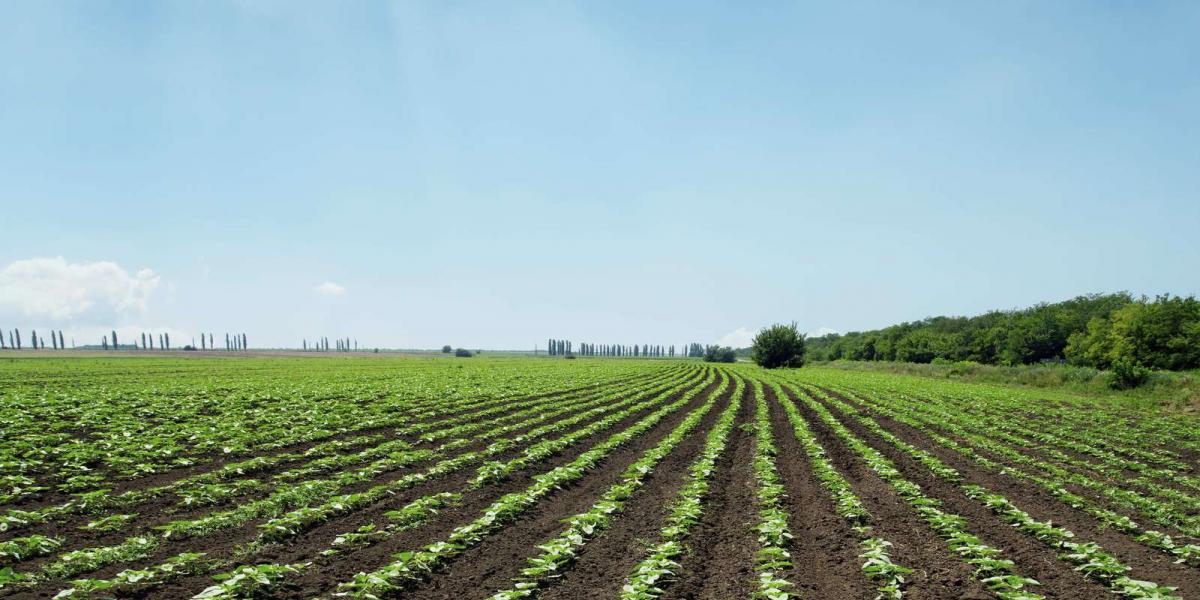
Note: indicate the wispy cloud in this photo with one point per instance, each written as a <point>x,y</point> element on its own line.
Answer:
<point>330,288</point>
<point>60,290</point>
<point>821,331</point>
<point>738,338</point>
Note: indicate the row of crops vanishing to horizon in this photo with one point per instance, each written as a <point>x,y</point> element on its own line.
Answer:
<point>509,478</point>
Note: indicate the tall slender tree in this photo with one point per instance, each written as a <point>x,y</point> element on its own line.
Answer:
<point>105,342</point>
<point>245,345</point>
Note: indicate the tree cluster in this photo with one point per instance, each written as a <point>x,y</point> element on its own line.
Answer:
<point>36,342</point>
<point>321,344</point>
<point>722,354</point>
<point>567,348</point>
<point>1035,334</point>
<point>1106,331</point>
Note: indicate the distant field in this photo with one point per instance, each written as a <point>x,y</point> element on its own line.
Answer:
<point>432,477</point>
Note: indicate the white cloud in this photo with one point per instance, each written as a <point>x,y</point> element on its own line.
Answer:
<point>822,331</point>
<point>330,288</point>
<point>738,338</point>
<point>56,289</point>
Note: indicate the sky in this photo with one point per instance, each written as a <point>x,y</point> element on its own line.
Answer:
<point>493,174</point>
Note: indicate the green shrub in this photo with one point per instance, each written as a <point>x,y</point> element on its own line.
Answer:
<point>1125,375</point>
<point>462,353</point>
<point>778,346</point>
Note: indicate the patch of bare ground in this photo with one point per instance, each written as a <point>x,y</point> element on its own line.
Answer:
<point>1146,563</point>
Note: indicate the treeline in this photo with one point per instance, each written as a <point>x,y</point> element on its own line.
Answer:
<point>568,348</point>
<point>1099,330</point>
<point>35,341</point>
<point>111,341</point>
<point>321,344</point>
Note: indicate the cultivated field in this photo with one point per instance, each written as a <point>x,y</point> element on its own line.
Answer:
<point>520,478</point>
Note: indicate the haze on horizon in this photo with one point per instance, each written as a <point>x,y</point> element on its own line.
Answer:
<point>417,174</point>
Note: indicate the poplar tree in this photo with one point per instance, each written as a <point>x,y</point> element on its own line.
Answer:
<point>105,342</point>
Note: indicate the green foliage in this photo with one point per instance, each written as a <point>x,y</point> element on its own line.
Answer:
<point>463,353</point>
<point>720,354</point>
<point>447,349</point>
<point>779,346</point>
<point>1159,334</point>
<point>1096,331</point>
<point>1125,375</point>
<point>1039,333</point>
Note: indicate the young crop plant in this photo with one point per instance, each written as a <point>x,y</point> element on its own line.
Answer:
<point>877,562</point>
<point>772,559</point>
<point>558,552</point>
<point>258,581</point>
<point>648,577</point>
<point>18,549</point>
<point>129,580</point>
<point>110,523</point>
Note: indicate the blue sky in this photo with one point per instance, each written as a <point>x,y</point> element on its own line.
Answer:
<point>491,174</point>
